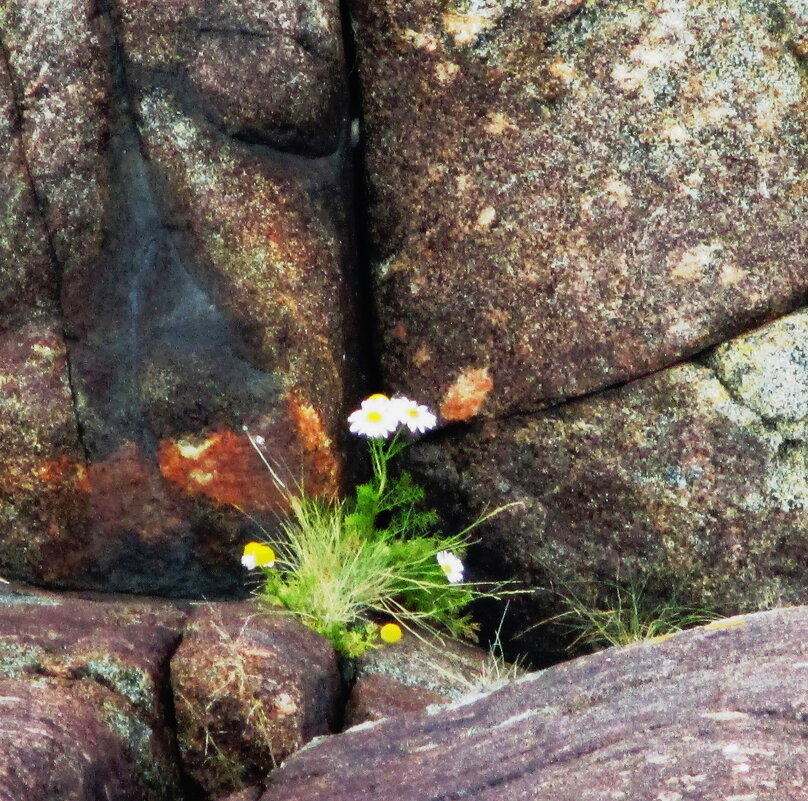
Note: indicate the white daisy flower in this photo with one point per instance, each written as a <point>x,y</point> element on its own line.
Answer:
<point>375,418</point>
<point>451,566</point>
<point>413,415</point>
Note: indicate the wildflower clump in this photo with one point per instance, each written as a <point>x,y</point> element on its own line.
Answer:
<point>362,570</point>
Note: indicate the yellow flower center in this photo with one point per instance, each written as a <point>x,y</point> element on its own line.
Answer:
<point>374,417</point>
<point>263,554</point>
<point>446,569</point>
<point>390,632</point>
<point>378,396</point>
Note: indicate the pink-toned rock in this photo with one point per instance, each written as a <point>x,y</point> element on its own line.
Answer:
<point>567,195</point>
<point>76,743</point>
<point>28,276</point>
<point>377,696</point>
<point>714,713</point>
<point>251,687</point>
<point>120,643</point>
<point>83,697</point>
<point>189,164</point>
<point>58,60</point>
<point>268,72</point>
<point>42,535</point>
<point>415,673</point>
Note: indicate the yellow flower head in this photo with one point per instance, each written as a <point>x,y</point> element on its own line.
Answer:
<point>257,554</point>
<point>390,632</point>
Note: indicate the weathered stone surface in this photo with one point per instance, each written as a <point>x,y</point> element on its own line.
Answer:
<point>188,162</point>
<point>566,195</point>
<point>691,480</point>
<point>718,712</point>
<point>267,250</point>
<point>28,277</point>
<point>83,695</point>
<point>57,57</point>
<point>415,673</point>
<point>250,688</point>
<point>267,72</point>
<point>74,743</point>
<point>377,696</point>
<point>41,512</point>
<point>124,645</point>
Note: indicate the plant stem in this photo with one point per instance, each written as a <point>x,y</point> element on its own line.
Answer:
<point>380,454</point>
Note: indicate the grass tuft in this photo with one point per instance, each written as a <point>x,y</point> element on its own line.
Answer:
<point>603,614</point>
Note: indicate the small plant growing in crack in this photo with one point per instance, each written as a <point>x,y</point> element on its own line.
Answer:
<point>602,614</point>
<point>363,570</point>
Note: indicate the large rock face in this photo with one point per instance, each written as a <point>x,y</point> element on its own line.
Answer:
<point>250,689</point>
<point>714,713</point>
<point>565,195</point>
<point>173,244</point>
<point>39,444</point>
<point>122,698</point>
<point>691,480</point>
<point>83,697</point>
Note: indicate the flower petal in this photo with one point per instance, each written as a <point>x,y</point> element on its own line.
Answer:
<point>415,416</point>
<point>451,566</point>
<point>257,554</point>
<point>390,632</point>
<point>375,418</point>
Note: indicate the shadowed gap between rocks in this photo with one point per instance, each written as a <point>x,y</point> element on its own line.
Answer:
<point>368,347</point>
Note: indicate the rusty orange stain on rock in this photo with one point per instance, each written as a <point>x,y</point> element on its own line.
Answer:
<point>124,493</point>
<point>466,395</point>
<point>223,467</point>
<point>399,332</point>
<point>321,465</point>
<point>63,470</point>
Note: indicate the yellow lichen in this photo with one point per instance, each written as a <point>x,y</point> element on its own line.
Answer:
<point>465,28</point>
<point>446,71</point>
<point>485,218</point>
<point>498,123</point>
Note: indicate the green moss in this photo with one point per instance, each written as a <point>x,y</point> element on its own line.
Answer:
<point>159,777</point>
<point>132,683</point>
<point>18,660</point>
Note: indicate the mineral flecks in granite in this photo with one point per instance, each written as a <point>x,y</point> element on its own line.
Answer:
<point>567,195</point>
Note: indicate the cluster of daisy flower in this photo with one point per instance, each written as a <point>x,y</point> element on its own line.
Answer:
<point>379,416</point>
